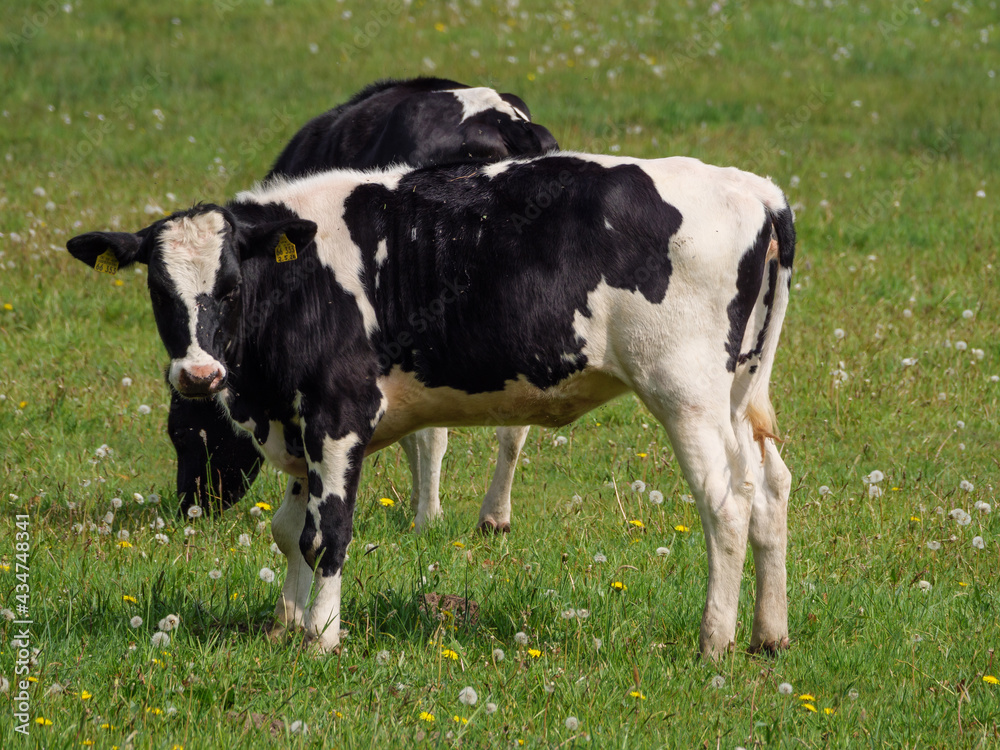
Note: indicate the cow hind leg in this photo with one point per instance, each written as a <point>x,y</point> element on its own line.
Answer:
<point>768,540</point>
<point>494,515</point>
<point>286,527</point>
<point>425,451</point>
<point>713,463</point>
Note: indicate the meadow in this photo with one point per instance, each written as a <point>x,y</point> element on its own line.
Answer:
<point>879,120</point>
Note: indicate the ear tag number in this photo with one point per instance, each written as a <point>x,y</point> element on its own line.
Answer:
<point>285,250</point>
<point>106,262</point>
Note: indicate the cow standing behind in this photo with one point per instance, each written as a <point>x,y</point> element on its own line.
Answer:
<point>418,122</point>
<point>668,277</point>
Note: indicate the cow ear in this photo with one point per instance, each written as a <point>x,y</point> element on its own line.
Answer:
<point>517,103</point>
<point>108,251</point>
<point>262,239</point>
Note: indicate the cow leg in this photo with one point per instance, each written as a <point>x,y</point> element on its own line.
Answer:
<point>494,515</point>
<point>334,471</point>
<point>286,528</point>
<point>425,450</point>
<point>768,540</point>
<point>716,470</point>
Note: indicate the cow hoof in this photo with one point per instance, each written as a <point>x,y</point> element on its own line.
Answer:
<point>772,648</point>
<point>492,527</point>
<point>276,632</point>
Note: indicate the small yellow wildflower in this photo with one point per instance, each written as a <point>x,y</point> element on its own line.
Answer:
<point>531,77</point>
<point>807,697</point>
<point>22,404</point>
<point>637,524</point>
<point>459,545</point>
<point>534,653</point>
<point>159,663</point>
<point>32,679</point>
<point>637,694</point>
<point>681,528</point>
<point>427,716</point>
<point>809,707</point>
<point>962,583</point>
<point>338,714</point>
<point>263,506</point>
<point>829,711</point>
<point>235,595</point>
<point>990,679</point>
<point>119,282</point>
<point>125,544</point>
<point>440,27</point>
<point>915,519</point>
<point>520,742</point>
<point>618,585</point>
<point>459,720</point>
<point>5,568</point>
<point>7,306</point>
<point>178,747</point>
<point>154,711</point>
<point>108,726</point>
<point>449,654</point>
<point>641,455</point>
<point>388,502</point>
<point>41,721</point>
<point>85,696</point>
<point>87,743</point>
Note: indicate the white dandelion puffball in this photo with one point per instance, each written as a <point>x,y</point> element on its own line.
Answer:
<point>160,639</point>
<point>298,727</point>
<point>638,486</point>
<point>597,644</point>
<point>161,538</point>
<point>924,585</point>
<point>718,681</point>
<point>383,657</point>
<point>256,512</point>
<point>123,535</point>
<point>983,507</point>
<point>560,440</point>
<point>933,546</point>
<point>568,614</point>
<point>966,485</point>
<point>144,409</point>
<point>785,688</point>
<point>599,558</point>
<point>662,551</point>
<point>168,623</point>
<point>521,638</point>
<point>116,503</point>
<point>687,499</point>
<point>194,511</point>
<point>266,575</point>
<point>491,708</point>
<point>978,543</point>
<point>582,614</point>
<point>467,696</point>
<point>874,490</point>
<point>498,654</point>
<point>572,723</point>
<point>244,540</point>
<point>655,497</point>
<point>135,622</point>
<point>215,575</point>
<point>126,382</point>
<point>876,476</point>
<point>838,333</point>
<point>824,490</point>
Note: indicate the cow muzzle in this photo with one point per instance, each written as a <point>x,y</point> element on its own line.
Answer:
<point>200,381</point>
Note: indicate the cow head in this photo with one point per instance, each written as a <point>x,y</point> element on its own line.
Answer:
<point>194,260</point>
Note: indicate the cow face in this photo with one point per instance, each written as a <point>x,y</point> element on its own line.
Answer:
<point>195,260</point>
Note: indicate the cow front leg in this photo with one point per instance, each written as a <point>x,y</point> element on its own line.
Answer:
<point>425,450</point>
<point>494,515</point>
<point>334,470</point>
<point>768,540</point>
<point>286,528</point>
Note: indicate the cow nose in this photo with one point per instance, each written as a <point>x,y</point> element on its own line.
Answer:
<point>199,380</point>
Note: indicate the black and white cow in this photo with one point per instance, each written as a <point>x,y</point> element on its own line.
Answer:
<point>558,283</point>
<point>418,122</point>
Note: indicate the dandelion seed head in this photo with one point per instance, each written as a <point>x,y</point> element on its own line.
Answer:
<point>656,497</point>
<point>498,655</point>
<point>560,440</point>
<point>194,511</point>
<point>215,575</point>
<point>978,543</point>
<point>568,614</point>
<point>924,585</point>
<point>521,638</point>
<point>718,681</point>
<point>638,486</point>
<point>244,540</point>
<point>135,622</point>
<point>662,551</point>
<point>785,688</point>
<point>838,333</point>
<point>383,657</point>
<point>600,558</point>
<point>266,575</point>
<point>467,696</point>
<point>550,687</point>
<point>491,708</point>
<point>572,723</point>
<point>966,485</point>
<point>582,614</point>
<point>160,640</point>
<point>933,546</point>
<point>116,503</point>
<point>824,490</point>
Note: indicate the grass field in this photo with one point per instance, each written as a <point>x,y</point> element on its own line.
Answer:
<point>880,121</point>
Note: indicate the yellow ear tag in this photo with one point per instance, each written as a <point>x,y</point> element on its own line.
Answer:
<point>284,250</point>
<point>106,262</point>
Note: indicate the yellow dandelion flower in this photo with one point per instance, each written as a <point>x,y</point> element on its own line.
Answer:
<point>531,77</point>
<point>87,743</point>
<point>641,455</point>
<point>7,306</point>
<point>338,714</point>
<point>962,583</point>
<point>619,586</point>
<point>534,653</point>
<point>449,654</point>
<point>829,711</point>
<point>85,696</point>
<point>263,506</point>
<point>108,726</point>
<point>5,568</point>
<point>915,519</point>
<point>125,544</point>
<point>42,721</point>
<point>520,742</point>
<point>807,697</point>
<point>637,524</point>
<point>809,707</point>
<point>990,680</point>
<point>440,27</point>
<point>159,663</point>
<point>235,595</point>
<point>387,502</point>
<point>119,282</point>
<point>32,679</point>
<point>178,747</point>
<point>681,528</point>
<point>22,404</point>
<point>637,694</point>
<point>459,720</point>
<point>427,716</point>
<point>154,711</point>
<point>458,544</point>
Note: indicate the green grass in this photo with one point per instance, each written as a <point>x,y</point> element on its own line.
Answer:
<point>880,124</point>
